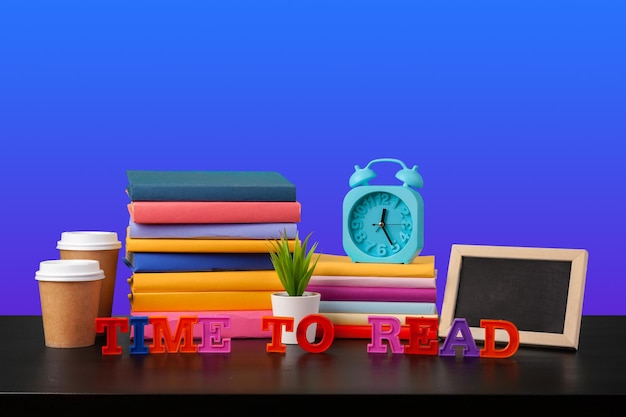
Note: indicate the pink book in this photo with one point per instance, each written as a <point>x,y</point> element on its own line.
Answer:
<point>346,293</point>
<point>356,281</point>
<point>179,212</point>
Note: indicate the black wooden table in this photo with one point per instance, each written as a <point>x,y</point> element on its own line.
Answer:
<point>30,373</point>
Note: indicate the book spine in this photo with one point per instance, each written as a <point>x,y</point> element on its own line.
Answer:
<point>205,281</point>
<point>200,245</point>
<point>192,262</point>
<point>336,265</point>
<point>204,192</point>
<point>362,319</point>
<point>393,282</point>
<point>193,301</point>
<point>213,230</point>
<point>243,323</point>
<point>377,307</point>
<point>172,212</point>
<point>336,293</point>
<point>361,332</point>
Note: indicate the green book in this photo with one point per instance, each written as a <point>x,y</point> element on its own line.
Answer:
<point>154,185</point>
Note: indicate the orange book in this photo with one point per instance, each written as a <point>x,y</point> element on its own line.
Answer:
<point>201,300</point>
<point>135,245</point>
<point>193,281</point>
<point>342,265</point>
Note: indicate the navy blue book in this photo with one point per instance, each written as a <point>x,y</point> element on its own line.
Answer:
<point>196,262</point>
<point>148,185</point>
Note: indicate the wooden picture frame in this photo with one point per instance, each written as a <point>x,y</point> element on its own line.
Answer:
<point>539,290</point>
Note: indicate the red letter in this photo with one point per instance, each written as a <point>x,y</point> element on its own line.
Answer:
<point>277,323</point>
<point>328,333</point>
<point>489,350</point>
<point>111,324</point>
<point>422,336</point>
<point>161,332</point>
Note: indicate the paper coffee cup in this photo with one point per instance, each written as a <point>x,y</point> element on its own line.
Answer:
<point>69,291</point>
<point>101,246</point>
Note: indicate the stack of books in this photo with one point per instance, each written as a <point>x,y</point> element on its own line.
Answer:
<point>351,292</point>
<point>198,243</point>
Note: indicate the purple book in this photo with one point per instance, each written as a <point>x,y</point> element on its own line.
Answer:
<point>345,293</point>
<point>212,230</point>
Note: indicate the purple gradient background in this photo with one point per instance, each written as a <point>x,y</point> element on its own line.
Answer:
<point>513,111</point>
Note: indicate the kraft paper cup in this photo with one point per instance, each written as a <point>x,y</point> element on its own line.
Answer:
<point>103,247</point>
<point>70,295</point>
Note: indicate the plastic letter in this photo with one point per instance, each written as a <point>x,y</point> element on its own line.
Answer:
<point>422,336</point>
<point>138,324</point>
<point>489,350</point>
<point>212,341</point>
<point>161,331</point>
<point>110,325</point>
<point>277,323</point>
<point>378,334</point>
<point>465,340</point>
<point>328,333</point>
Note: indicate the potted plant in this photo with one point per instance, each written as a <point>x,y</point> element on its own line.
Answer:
<point>294,268</point>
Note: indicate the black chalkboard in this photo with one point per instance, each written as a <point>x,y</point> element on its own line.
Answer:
<point>539,290</point>
<point>530,293</point>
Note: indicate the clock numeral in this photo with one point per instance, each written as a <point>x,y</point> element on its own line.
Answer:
<point>369,245</point>
<point>381,249</point>
<point>405,211</point>
<point>360,210</point>
<point>395,247</point>
<point>383,198</point>
<point>360,236</point>
<point>357,224</point>
<point>407,224</point>
<point>404,237</point>
<point>366,204</point>
<point>394,201</point>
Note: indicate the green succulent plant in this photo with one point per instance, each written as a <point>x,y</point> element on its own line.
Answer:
<point>294,269</point>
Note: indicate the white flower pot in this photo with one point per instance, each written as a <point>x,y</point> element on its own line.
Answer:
<point>297,307</point>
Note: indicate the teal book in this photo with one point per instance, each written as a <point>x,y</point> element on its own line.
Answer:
<point>155,185</point>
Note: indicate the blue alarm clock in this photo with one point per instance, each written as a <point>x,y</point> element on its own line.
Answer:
<point>383,223</point>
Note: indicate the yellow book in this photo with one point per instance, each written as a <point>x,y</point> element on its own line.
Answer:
<point>200,245</point>
<point>422,266</point>
<point>262,280</point>
<point>201,300</point>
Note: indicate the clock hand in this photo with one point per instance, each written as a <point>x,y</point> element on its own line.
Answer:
<point>382,222</point>
<point>382,225</point>
<point>387,234</point>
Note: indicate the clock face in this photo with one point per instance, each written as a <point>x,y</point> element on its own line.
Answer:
<point>380,224</point>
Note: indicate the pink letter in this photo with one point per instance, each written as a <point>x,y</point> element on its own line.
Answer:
<point>212,334</point>
<point>378,334</point>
